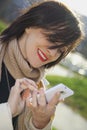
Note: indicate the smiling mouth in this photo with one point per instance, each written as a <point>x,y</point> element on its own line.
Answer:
<point>41,55</point>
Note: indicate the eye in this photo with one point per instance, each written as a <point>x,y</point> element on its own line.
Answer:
<point>60,51</point>
<point>53,47</point>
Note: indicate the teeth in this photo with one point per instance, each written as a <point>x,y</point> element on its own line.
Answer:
<point>41,54</point>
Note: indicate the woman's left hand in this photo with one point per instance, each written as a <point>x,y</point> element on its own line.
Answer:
<point>41,110</point>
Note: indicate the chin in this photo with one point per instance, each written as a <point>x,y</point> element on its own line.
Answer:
<point>37,66</point>
<point>34,66</point>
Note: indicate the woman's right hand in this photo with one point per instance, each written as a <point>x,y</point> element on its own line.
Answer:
<point>15,100</point>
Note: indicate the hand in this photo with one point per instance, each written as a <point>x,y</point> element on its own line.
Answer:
<point>15,100</point>
<point>41,110</point>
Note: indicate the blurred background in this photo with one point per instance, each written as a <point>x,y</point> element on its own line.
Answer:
<point>72,71</point>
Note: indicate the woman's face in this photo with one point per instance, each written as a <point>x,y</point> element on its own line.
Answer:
<point>35,48</point>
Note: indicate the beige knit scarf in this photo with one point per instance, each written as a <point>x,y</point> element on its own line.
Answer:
<point>16,64</point>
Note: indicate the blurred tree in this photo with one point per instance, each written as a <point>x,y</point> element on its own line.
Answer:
<point>82,48</point>
<point>10,9</point>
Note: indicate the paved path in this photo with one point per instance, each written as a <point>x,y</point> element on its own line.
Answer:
<point>66,119</point>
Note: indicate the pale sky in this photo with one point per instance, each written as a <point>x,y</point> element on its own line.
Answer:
<point>79,5</point>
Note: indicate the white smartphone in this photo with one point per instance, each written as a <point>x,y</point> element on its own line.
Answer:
<point>63,89</point>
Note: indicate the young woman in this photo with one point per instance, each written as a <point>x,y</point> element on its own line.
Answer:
<point>37,40</point>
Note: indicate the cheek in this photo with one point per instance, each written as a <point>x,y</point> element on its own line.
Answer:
<point>28,50</point>
<point>31,52</point>
<point>53,58</point>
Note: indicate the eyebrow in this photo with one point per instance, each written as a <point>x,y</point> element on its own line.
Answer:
<point>52,47</point>
<point>56,46</point>
<point>61,45</point>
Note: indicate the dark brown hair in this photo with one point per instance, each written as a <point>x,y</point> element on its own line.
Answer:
<point>59,23</point>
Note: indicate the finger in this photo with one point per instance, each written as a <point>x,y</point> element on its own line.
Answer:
<point>21,104</point>
<point>29,86</point>
<point>34,98</point>
<point>42,98</point>
<point>25,85</point>
<point>30,82</point>
<point>26,93</point>
<point>22,84</point>
<point>55,100</point>
<point>61,100</point>
<point>29,104</point>
<point>17,87</point>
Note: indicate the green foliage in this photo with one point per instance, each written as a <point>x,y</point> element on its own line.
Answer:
<point>2,26</point>
<point>78,101</point>
<point>53,128</point>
